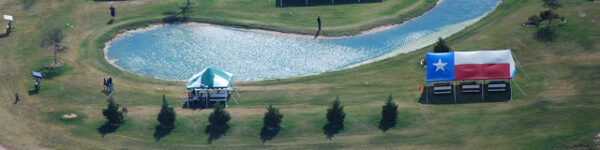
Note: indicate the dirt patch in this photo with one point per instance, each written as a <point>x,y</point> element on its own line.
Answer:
<point>70,116</point>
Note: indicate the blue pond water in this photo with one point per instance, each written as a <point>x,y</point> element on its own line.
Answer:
<point>176,52</point>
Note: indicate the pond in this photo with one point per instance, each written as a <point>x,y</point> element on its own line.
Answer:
<point>176,52</point>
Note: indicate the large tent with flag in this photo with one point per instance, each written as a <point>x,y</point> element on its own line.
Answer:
<point>209,85</point>
<point>476,66</point>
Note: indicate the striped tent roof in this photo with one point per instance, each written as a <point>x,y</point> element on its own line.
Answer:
<point>210,78</point>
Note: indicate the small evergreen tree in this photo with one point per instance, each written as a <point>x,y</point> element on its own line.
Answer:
<point>440,46</point>
<point>552,4</point>
<point>219,117</point>
<point>389,114</point>
<point>272,117</point>
<point>336,114</point>
<point>112,113</point>
<point>166,117</point>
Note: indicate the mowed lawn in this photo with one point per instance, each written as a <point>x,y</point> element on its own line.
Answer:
<point>560,80</point>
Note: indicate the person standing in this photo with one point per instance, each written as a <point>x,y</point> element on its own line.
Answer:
<point>104,84</point>
<point>109,83</point>
<point>16,98</point>
<point>319,22</point>
<point>112,12</point>
<point>124,110</point>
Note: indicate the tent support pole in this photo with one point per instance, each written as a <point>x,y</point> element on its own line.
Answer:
<point>522,92</point>
<point>207,99</point>
<point>510,86</point>
<point>482,91</point>
<point>454,84</point>
<point>426,93</point>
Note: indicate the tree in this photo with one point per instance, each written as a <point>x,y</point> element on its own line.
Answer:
<point>218,123</point>
<point>112,113</point>
<point>53,37</point>
<point>219,117</point>
<point>552,4</point>
<point>167,115</point>
<point>549,15</point>
<point>336,114</point>
<point>534,20</point>
<point>440,46</point>
<point>272,117</point>
<point>389,114</point>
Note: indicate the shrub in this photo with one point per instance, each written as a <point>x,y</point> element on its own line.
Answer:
<point>534,20</point>
<point>167,115</point>
<point>112,113</point>
<point>549,15</point>
<point>552,4</point>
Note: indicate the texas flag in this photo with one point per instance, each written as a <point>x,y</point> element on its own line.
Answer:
<point>473,65</point>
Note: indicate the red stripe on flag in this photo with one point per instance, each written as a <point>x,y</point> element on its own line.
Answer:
<point>482,71</point>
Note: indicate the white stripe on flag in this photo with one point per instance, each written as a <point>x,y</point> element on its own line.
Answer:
<point>482,57</point>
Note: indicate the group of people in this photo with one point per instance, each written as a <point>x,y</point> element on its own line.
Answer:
<point>108,85</point>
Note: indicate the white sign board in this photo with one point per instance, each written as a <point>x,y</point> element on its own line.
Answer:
<point>8,18</point>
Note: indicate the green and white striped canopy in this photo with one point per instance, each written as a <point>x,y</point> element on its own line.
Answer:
<point>210,78</point>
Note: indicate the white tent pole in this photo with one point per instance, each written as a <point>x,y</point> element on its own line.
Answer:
<point>518,63</point>
<point>519,88</point>
<point>510,85</point>
<point>426,93</point>
<point>454,84</point>
<point>482,91</point>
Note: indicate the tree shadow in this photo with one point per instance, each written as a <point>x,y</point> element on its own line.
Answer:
<point>160,132</point>
<point>384,126</point>
<point>107,128</point>
<point>545,34</point>
<point>267,134</point>
<point>330,130</point>
<point>106,92</point>
<point>33,92</point>
<point>3,35</point>
<point>215,132</point>
<point>110,21</point>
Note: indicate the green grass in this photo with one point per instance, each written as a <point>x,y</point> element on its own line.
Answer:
<point>559,111</point>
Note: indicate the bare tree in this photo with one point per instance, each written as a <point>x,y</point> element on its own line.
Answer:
<point>54,38</point>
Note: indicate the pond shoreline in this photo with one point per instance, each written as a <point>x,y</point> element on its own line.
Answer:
<point>397,51</point>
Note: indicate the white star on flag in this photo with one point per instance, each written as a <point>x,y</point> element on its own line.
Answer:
<point>440,65</point>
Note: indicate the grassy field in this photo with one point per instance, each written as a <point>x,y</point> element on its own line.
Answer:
<point>561,82</point>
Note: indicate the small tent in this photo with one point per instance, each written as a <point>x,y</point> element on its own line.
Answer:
<point>210,78</point>
<point>209,85</point>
